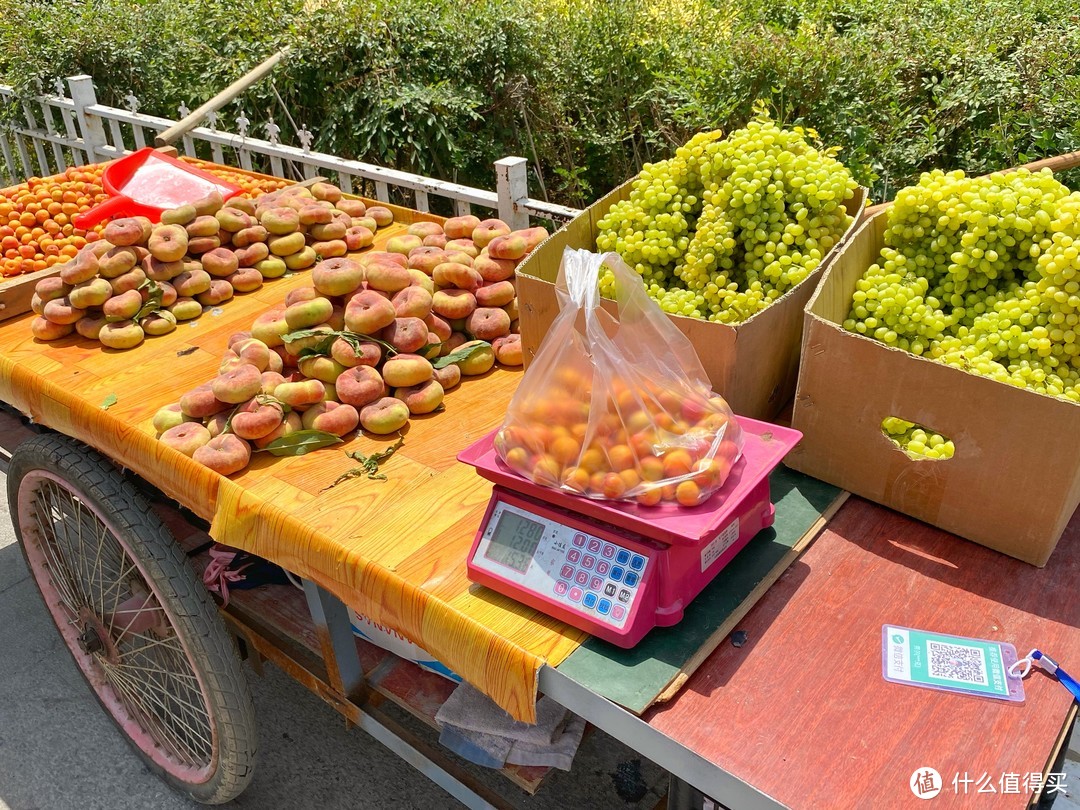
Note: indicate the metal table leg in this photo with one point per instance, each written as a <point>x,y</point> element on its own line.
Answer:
<point>681,763</point>
<point>346,677</point>
<point>683,796</point>
<point>334,628</point>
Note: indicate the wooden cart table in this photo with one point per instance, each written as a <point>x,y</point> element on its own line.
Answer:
<point>391,550</point>
<point>798,716</point>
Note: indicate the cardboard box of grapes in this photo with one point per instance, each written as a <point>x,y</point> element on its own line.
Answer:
<point>1013,481</point>
<point>753,365</point>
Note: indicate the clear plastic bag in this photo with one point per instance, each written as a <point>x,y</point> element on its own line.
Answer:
<point>617,409</point>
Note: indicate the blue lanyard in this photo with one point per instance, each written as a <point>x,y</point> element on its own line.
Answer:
<point>1051,666</point>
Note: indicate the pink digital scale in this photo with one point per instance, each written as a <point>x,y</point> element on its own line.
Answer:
<point>617,569</point>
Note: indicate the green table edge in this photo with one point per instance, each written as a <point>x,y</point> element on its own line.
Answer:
<point>635,678</point>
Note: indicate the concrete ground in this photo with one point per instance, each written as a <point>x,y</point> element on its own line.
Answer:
<point>58,750</point>
<point>1070,800</point>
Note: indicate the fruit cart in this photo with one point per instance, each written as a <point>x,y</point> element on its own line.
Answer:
<point>105,511</point>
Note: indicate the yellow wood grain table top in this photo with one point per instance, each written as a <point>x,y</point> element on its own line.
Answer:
<point>394,550</point>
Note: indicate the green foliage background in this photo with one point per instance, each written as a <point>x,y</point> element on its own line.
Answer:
<point>588,90</point>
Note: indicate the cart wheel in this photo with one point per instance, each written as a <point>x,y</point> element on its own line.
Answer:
<point>142,629</point>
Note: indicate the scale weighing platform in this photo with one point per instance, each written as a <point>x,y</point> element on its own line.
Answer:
<point>617,569</point>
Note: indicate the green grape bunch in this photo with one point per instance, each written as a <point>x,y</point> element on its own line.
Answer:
<point>917,441</point>
<point>729,225</point>
<point>981,273</point>
<point>651,230</point>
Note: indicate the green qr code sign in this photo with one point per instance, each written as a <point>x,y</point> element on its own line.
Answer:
<point>949,663</point>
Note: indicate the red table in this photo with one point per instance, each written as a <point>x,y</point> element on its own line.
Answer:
<point>801,713</point>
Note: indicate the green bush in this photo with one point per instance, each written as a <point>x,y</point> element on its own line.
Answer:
<point>588,90</point>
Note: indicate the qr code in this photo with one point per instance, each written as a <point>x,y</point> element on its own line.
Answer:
<point>956,662</point>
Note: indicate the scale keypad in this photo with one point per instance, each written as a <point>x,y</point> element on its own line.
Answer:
<point>531,553</point>
<point>599,578</point>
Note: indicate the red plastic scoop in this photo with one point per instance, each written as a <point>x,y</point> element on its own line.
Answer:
<point>148,182</point>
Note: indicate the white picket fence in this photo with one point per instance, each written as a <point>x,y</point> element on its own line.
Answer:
<point>70,128</point>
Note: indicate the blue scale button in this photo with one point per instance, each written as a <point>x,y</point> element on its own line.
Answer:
<point>604,607</point>
<point>623,557</point>
<point>590,600</point>
<point>631,579</point>
<point>638,562</point>
<point>616,573</point>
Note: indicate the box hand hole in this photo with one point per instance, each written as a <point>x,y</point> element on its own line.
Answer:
<point>916,441</point>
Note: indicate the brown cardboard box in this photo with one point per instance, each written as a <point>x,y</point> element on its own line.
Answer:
<point>754,364</point>
<point>1014,481</point>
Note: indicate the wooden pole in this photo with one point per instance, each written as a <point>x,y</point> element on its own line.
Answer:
<point>1059,163</point>
<point>1055,164</point>
<point>180,128</point>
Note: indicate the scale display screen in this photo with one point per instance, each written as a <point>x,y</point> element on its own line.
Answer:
<point>514,541</point>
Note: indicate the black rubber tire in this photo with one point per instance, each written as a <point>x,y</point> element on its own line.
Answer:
<point>195,618</point>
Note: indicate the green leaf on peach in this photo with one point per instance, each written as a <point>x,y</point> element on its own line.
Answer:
<point>322,348</point>
<point>153,301</point>
<point>300,442</point>
<point>457,355</point>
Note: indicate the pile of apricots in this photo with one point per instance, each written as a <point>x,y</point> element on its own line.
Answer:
<point>37,229</point>
<point>637,441</point>
<point>253,185</point>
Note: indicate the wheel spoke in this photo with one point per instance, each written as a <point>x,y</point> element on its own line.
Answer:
<point>94,570</point>
<point>81,583</point>
<point>193,708</point>
<point>189,717</point>
<point>171,643</point>
<point>99,572</point>
<point>174,716</point>
<point>61,574</point>
<point>64,542</point>
<point>129,667</point>
<point>154,714</point>
<point>82,556</point>
<point>114,591</point>
<point>156,690</point>
<point>146,607</point>
<point>60,525</point>
<point>108,560</point>
<point>151,703</point>
<point>162,666</point>
<point>173,662</point>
